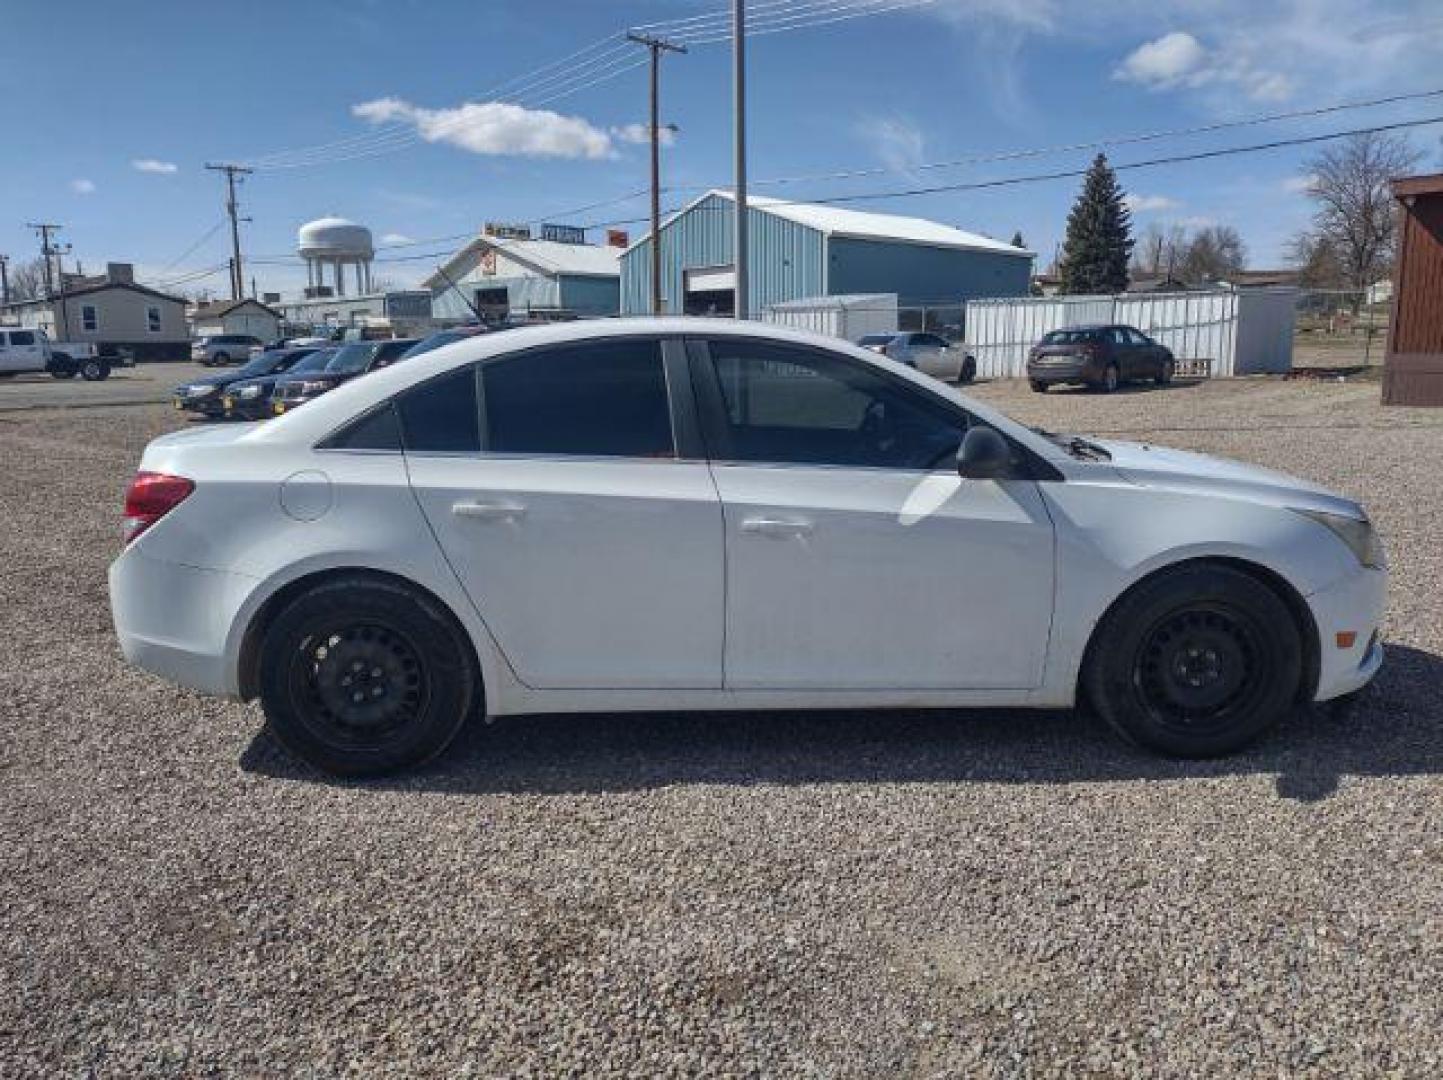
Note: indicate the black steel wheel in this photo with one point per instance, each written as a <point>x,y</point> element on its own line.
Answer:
<point>1038,386</point>
<point>969,370</point>
<point>1165,372</point>
<point>1111,379</point>
<point>94,370</point>
<point>1195,662</point>
<point>363,676</point>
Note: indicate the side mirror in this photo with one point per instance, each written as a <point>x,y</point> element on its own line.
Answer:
<point>984,455</point>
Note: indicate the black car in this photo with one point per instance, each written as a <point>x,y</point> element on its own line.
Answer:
<point>251,399</point>
<point>206,396</point>
<point>1103,357</point>
<point>352,359</point>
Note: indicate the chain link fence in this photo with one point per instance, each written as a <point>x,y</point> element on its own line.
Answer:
<point>1342,328</point>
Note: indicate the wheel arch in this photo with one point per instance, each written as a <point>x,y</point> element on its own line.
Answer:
<point>248,659</point>
<point>1270,579</point>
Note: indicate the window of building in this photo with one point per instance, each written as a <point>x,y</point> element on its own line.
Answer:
<point>89,318</point>
<point>603,398</point>
<point>796,406</point>
<point>152,318</point>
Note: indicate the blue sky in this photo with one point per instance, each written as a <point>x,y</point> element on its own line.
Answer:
<point>110,120</point>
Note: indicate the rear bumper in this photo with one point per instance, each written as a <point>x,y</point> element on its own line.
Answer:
<point>1354,606</point>
<point>174,621</point>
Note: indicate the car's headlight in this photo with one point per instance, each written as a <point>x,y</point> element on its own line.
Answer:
<point>248,392</point>
<point>1357,533</point>
<point>314,387</point>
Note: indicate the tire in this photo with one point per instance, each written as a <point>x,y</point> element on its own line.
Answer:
<point>968,372</point>
<point>1164,373</point>
<point>1038,386</point>
<point>1195,662</point>
<point>220,358</point>
<point>94,370</point>
<point>1111,379</point>
<point>353,628</point>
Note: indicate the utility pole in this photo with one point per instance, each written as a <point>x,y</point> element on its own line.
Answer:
<point>656,46</point>
<point>4,279</point>
<point>237,278</point>
<point>47,252</point>
<point>739,111</point>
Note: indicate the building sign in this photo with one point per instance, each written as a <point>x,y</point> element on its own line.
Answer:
<point>488,262</point>
<point>502,231</point>
<point>563,234</point>
<point>414,304</point>
<point>617,238</point>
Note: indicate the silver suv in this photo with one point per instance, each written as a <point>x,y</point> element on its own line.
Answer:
<point>223,349</point>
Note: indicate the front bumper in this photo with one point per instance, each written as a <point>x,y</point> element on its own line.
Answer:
<point>247,408</point>
<point>174,621</point>
<point>211,405</point>
<point>1353,606</point>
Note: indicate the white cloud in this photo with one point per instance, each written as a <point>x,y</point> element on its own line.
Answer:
<point>154,165</point>
<point>1300,185</point>
<point>896,140</point>
<point>83,187</point>
<point>640,134</point>
<point>1180,61</point>
<point>395,238</point>
<point>495,128</point>
<point>1147,204</point>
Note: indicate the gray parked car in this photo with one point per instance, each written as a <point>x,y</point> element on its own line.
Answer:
<point>930,354</point>
<point>223,349</point>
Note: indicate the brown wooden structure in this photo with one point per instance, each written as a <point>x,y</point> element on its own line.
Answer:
<point>1413,372</point>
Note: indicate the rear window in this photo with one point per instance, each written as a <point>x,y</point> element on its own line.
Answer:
<point>440,416</point>
<point>1068,337</point>
<point>606,399</point>
<point>22,337</point>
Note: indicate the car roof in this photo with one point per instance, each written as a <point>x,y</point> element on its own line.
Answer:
<point>322,416</point>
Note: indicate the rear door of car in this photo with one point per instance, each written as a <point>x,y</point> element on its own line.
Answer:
<point>932,356</point>
<point>567,488</point>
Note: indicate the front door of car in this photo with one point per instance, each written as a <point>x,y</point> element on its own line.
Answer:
<point>857,558</point>
<point>560,486</point>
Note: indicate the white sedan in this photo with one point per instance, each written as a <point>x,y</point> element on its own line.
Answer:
<point>668,514</point>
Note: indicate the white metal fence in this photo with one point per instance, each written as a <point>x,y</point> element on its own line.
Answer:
<point>1236,331</point>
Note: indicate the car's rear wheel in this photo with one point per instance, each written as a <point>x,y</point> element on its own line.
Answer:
<point>1111,379</point>
<point>220,358</point>
<point>361,677</point>
<point>1195,662</point>
<point>94,370</point>
<point>1038,386</point>
<point>1165,372</point>
<point>969,370</point>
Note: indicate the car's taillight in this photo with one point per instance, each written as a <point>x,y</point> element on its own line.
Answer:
<point>150,497</point>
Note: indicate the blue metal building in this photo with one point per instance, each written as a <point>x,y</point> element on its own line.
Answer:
<point>801,250</point>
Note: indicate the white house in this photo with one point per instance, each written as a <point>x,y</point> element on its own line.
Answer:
<point>244,316</point>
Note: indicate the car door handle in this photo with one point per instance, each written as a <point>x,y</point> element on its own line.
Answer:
<point>777,527</point>
<point>489,511</point>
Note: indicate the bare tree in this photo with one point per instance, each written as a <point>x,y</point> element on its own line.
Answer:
<point>1159,252</point>
<point>1213,253</point>
<point>1317,261</point>
<point>27,280</point>
<point>1354,213</point>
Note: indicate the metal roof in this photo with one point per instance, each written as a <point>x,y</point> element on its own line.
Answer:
<point>548,256</point>
<point>863,225</point>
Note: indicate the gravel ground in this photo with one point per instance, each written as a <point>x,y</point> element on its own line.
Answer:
<point>809,895</point>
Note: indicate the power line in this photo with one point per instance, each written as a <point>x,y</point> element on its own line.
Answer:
<point>188,251</point>
<point>603,62</point>
<point>1065,174</point>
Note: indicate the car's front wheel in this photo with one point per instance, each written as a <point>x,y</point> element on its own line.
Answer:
<point>1038,386</point>
<point>1165,372</point>
<point>361,677</point>
<point>1195,662</point>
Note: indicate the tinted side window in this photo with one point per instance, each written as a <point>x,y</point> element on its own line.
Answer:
<point>22,337</point>
<point>440,415</point>
<point>795,406</point>
<point>604,398</point>
<point>376,430</point>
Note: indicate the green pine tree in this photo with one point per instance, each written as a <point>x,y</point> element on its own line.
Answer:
<point>1099,236</point>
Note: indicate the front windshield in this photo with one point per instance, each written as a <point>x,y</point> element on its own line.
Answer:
<point>353,357</point>
<point>316,360</point>
<point>435,341</point>
<point>264,364</point>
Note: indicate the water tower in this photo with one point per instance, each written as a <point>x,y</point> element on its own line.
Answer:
<point>335,243</point>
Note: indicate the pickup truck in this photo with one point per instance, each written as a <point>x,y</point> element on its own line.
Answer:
<point>23,350</point>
